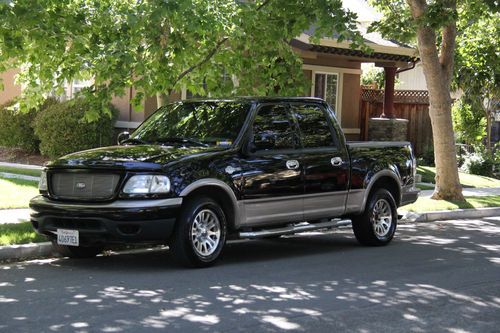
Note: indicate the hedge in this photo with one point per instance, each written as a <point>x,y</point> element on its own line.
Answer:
<point>16,128</point>
<point>62,128</point>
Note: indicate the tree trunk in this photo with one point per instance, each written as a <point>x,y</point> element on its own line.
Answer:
<point>438,70</point>
<point>161,100</point>
<point>445,156</point>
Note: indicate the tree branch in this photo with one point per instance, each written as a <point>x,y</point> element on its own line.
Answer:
<point>212,52</point>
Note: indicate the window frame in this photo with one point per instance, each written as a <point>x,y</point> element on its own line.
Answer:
<point>294,125</point>
<point>333,130</point>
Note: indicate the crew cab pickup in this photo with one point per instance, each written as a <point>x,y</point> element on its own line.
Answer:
<point>197,173</point>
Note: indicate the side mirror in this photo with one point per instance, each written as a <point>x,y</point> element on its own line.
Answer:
<point>122,137</point>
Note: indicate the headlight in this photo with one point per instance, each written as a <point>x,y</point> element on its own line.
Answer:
<point>42,184</point>
<point>146,184</point>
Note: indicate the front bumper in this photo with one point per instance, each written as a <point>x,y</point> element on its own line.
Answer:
<point>119,222</point>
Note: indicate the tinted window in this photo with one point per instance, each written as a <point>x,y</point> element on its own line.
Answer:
<point>314,127</point>
<point>274,128</point>
<point>208,122</point>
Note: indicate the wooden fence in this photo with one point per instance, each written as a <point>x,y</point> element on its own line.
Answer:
<point>408,104</point>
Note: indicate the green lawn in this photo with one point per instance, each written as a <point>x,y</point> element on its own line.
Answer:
<point>428,174</point>
<point>19,171</point>
<point>16,193</point>
<point>19,233</point>
<point>427,204</point>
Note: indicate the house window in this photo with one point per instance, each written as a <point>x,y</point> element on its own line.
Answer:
<point>326,87</point>
<point>73,87</point>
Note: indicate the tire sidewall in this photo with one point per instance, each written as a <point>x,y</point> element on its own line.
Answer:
<point>386,195</point>
<point>188,216</point>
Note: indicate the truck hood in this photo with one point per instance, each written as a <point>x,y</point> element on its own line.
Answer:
<point>130,157</point>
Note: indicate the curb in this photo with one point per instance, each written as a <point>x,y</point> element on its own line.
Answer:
<point>451,214</point>
<point>26,251</point>
<point>37,250</point>
<point>19,176</point>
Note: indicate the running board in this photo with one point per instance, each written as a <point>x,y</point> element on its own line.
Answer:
<point>293,229</point>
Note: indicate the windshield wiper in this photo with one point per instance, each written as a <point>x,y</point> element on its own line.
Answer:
<point>181,140</point>
<point>134,141</point>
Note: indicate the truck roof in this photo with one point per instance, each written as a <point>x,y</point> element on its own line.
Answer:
<point>257,99</point>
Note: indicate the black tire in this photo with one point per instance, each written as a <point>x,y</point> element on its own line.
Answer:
<point>372,228</point>
<point>200,233</point>
<point>77,252</point>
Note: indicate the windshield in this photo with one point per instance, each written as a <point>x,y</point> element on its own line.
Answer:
<point>193,123</point>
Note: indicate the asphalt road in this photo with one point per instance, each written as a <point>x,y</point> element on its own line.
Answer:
<point>434,277</point>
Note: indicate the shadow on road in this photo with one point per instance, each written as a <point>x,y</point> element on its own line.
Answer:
<point>442,277</point>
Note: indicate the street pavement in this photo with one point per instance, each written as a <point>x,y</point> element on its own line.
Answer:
<point>434,277</point>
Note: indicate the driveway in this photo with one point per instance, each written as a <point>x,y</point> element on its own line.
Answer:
<point>434,277</point>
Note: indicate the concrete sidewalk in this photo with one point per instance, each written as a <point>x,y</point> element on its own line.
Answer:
<point>14,215</point>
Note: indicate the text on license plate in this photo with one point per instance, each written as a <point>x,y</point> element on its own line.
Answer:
<point>67,237</point>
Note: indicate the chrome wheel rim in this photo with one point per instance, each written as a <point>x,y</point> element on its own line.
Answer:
<point>205,232</point>
<point>382,218</point>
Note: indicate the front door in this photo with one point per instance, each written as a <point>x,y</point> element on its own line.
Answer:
<point>272,184</point>
<point>325,161</point>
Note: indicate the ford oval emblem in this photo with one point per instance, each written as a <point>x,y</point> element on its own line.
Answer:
<point>80,186</point>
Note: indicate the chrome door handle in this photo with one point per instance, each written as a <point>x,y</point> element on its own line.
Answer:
<point>336,161</point>
<point>292,164</point>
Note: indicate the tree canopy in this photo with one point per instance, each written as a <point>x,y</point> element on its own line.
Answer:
<point>477,72</point>
<point>157,46</point>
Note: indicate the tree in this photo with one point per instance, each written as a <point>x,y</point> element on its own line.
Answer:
<point>433,25</point>
<point>477,72</point>
<point>157,46</point>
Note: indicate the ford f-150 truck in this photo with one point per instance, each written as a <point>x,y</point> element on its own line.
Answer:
<point>197,173</point>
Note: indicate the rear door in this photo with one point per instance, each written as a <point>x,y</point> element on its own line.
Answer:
<point>272,173</point>
<point>324,159</point>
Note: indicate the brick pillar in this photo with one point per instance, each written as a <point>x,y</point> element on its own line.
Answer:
<point>390,78</point>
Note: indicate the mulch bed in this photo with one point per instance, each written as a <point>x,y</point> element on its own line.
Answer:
<point>16,155</point>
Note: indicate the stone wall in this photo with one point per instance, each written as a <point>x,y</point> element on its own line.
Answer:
<point>387,129</point>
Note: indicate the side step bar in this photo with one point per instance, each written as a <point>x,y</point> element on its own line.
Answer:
<point>293,229</point>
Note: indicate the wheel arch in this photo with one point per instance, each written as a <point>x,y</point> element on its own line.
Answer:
<point>218,191</point>
<point>384,179</point>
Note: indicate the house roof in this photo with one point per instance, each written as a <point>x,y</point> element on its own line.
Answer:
<point>383,49</point>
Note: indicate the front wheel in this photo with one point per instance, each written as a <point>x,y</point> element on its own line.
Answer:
<point>377,225</point>
<point>200,233</point>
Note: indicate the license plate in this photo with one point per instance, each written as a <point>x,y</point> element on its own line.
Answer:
<point>68,237</point>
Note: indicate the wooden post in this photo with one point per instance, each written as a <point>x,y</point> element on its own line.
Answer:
<point>390,78</point>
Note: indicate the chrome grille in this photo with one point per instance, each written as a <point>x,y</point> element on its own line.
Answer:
<point>76,185</point>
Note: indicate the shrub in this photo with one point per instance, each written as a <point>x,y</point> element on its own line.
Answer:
<point>62,128</point>
<point>479,163</point>
<point>16,127</point>
<point>427,157</point>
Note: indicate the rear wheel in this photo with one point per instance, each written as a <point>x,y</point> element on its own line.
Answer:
<point>77,252</point>
<point>377,225</point>
<point>200,233</point>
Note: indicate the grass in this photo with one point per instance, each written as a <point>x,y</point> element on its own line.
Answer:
<point>19,233</point>
<point>424,187</point>
<point>427,204</point>
<point>19,171</point>
<point>428,174</point>
<point>16,193</point>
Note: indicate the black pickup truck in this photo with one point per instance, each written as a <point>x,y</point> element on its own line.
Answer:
<point>197,173</point>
